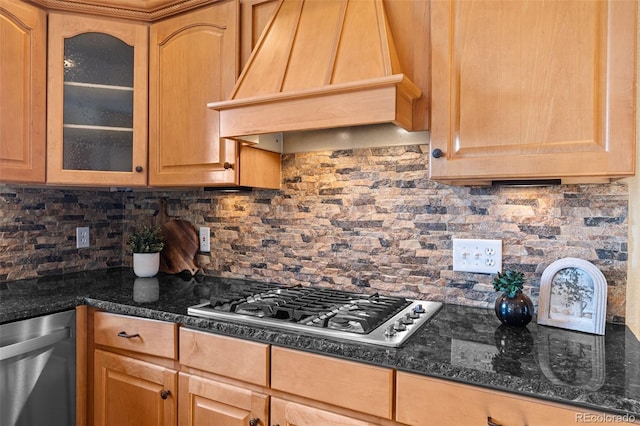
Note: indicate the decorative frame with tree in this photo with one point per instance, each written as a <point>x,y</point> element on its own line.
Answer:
<point>573,295</point>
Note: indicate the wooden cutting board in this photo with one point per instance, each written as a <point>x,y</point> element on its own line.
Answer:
<point>181,244</point>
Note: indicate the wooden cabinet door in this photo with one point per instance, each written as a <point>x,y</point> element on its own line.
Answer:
<point>193,61</point>
<point>131,392</point>
<point>530,89</point>
<point>286,413</point>
<point>23,79</point>
<point>97,101</point>
<point>205,402</point>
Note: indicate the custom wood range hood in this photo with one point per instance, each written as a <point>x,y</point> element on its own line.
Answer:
<point>320,64</point>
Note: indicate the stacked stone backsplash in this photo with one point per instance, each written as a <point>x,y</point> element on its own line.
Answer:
<point>37,231</point>
<point>364,219</point>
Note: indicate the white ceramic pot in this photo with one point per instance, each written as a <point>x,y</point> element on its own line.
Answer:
<point>146,264</point>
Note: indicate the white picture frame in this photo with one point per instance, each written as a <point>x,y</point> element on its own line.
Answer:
<point>573,296</point>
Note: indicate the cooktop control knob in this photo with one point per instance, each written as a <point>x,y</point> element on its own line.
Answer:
<point>413,314</point>
<point>419,309</point>
<point>390,331</point>
<point>399,326</point>
<point>407,319</point>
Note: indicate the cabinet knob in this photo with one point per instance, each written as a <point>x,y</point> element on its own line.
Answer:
<point>254,421</point>
<point>165,393</point>
<point>228,165</point>
<point>139,169</point>
<point>127,336</point>
<point>437,153</point>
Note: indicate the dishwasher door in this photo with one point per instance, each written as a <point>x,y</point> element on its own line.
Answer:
<point>38,371</point>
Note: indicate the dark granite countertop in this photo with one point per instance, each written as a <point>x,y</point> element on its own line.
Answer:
<point>463,344</point>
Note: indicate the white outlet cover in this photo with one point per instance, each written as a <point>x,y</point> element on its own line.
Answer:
<point>205,239</point>
<point>82,237</point>
<point>480,256</point>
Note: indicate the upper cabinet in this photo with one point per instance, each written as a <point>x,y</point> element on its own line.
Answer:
<point>23,30</point>
<point>533,90</point>
<point>193,60</point>
<point>97,101</point>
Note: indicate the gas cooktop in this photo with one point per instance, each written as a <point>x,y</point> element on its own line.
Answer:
<point>376,319</point>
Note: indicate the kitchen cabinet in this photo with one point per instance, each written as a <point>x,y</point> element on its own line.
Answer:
<point>546,91</point>
<point>97,101</point>
<point>133,392</point>
<point>354,386</point>
<point>231,394</point>
<point>287,413</point>
<point>423,400</point>
<point>192,61</point>
<point>22,92</point>
<point>134,382</point>
<point>210,402</point>
<point>97,122</point>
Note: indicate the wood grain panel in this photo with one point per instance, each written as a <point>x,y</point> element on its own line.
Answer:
<point>61,27</point>
<point>23,79</point>
<point>128,392</point>
<point>293,414</point>
<point>347,384</point>
<point>193,60</point>
<point>254,16</point>
<point>546,91</point>
<point>157,338</point>
<point>207,402</point>
<point>259,168</point>
<point>421,400</point>
<point>226,356</point>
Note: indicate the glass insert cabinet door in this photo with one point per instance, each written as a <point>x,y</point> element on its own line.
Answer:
<point>97,101</point>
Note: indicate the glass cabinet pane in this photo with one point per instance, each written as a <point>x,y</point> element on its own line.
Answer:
<point>98,103</point>
<point>98,58</point>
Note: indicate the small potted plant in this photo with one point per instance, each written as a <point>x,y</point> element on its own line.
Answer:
<point>146,244</point>
<point>513,307</point>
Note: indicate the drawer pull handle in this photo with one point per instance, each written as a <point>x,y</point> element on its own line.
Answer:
<point>491,422</point>
<point>254,421</point>
<point>164,393</point>
<point>127,336</point>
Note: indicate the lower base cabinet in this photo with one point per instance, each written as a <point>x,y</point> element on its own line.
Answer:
<point>425,401</point>
<point>131,392</point>
<point>205,402</point>
<point>287,413</point>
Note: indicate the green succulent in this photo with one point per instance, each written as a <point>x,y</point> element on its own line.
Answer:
<point>146,240</point>
<point>509,281</point>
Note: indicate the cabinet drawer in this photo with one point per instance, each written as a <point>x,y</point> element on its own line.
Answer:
<point>227,356</point>
<point>136,334</point>
<point>347,384</point>
<point>422,400</point>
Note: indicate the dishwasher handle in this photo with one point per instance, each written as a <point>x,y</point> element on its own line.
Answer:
<point>26,346</point>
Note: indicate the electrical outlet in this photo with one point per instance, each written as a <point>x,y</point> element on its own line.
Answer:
<point>205,239</point>
<point>481,256</point>
<point>82,237</point>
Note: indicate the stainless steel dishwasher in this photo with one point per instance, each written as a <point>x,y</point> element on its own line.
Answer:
<point>38,371</point>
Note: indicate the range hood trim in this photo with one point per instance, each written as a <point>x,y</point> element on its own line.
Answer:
<point>382,94</point>
<point>373,101</point>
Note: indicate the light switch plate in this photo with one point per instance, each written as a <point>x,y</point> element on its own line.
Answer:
<point>481,256</point>
<point>205,239</point>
